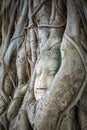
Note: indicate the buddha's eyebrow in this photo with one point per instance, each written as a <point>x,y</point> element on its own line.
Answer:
<point>54,70</point>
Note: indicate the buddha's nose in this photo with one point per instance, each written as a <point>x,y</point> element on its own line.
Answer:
<point>42,82</point>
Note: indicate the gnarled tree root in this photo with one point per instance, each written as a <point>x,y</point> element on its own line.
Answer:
<point>78,96</point>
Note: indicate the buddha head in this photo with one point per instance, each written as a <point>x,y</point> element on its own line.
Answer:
<point>47,66</point>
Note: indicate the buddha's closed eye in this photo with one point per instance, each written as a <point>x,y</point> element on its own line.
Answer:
<point>52,72</point>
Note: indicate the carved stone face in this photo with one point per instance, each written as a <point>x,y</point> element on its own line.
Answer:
<point>45,72</point>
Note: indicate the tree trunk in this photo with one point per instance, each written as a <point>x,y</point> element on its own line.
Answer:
<point>43,43</point>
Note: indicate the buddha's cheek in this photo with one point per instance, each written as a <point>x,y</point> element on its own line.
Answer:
<point>38,91</point>
<point>49,80</point>
<point>41,86</point>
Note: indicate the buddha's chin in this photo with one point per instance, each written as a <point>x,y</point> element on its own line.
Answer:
<point>38,96</point>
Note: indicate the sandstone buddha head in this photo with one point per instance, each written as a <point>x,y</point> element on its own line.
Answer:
<point>47,66</point>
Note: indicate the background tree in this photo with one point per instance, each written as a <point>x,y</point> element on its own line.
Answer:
<point>30,28</point>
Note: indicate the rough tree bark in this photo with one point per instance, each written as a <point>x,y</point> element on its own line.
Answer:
<point>28,30</point>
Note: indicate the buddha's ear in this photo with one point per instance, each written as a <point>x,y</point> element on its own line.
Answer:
<point>30,92</point>
<point>32,81</point>
<point>31,86</point>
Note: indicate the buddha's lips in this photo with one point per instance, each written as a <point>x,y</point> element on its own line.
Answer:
<point>41,91</point>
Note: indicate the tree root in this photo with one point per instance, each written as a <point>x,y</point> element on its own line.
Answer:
<point>82,15</point>
<point>52,26</point>
<point>38,8</point>
<point>9,74</point>
<point>78,96</point>
<point>10,29</point>
<point>52,17</point>
<point>32,38</point>
<point>19,30</point>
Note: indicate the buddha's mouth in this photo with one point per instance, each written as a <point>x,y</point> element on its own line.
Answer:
<point>41,90</point>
